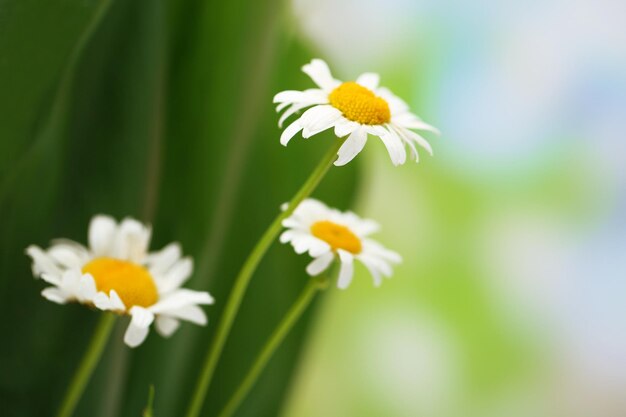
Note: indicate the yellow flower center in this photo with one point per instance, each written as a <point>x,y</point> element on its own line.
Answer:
<point>132,282</point>
<point>337,236</point>
<point>360,104</point>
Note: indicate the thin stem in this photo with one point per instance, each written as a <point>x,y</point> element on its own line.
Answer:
<point>287,323</point>
<point>87,365</point>
<point>243,279</point>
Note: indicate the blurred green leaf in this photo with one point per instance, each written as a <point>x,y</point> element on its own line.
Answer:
<point>165,115</point>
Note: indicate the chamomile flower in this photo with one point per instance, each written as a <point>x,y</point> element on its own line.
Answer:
<point>116,273</point>
<point>328,234</point>
<point>355,108</point>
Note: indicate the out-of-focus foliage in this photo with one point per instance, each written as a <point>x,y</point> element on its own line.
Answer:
<point>159,110</point>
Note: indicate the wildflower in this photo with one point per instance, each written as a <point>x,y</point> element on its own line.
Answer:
<point>355,108</point>
<point>328,234</point>
<point>116,273</point>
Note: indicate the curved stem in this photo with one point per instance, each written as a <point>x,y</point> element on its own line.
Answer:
<point>243,279</point>
<point>287,323</point>
<point>87,365</point>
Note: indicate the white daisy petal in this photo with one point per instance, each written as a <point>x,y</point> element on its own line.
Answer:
<point>290,132</point>
<point>160,262</point>
<point>318,118</point>
<point>394,146</point>
<point>181,298</point>
<point>419,140</point>
<point>320,264</point>
<point>320,74</point>
<point>401,134</point>
<point>52,279</point>
<point>42,262</point>
<point>166,326</point>
<point>56,295</point>
<point>68,256</point>
<point>346,269</point>
<point>318,247</point>
<point>289,96</point>
<point>351,147</point>
<point>86,288</point>
<point>111,302</point>
<point>376,275</point>
<point>132,241</point>
<point>191,313</point>
<point>282,106</point>
<point>289,112</point>
<point>344,127</point>
<point>410,121</point>
<point>102,231</point>
<point>369,80</point>
<point>176,276</point>
<point>138,329</point>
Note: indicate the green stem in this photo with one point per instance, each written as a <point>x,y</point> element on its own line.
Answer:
<point>87,365</point>
<point>243,279</point>
<point>287,323</point>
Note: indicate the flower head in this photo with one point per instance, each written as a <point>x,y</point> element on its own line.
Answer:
<point>328,234</point>
<point>355,108</point>
<point>117,273</point>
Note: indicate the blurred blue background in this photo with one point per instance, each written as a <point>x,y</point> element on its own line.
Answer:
<point>511,299</point>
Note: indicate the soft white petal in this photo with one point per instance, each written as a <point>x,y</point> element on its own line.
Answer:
<point>369,80</point>
<point>318,118</point>
<point>290,132</point>
<point>344,127</point>
<point>318,247</point>
<point>111,302</point>
<point>346,269</point>
<point>320,74</point>
<point>379,264</point>
<point>402,134</point>
<point>102,232</point>
<point>137,330</point>
<point>160,262</point>
<point>181,298</point>
<point>191,313</point>
<point>320,264</point>
<point>116,301</point>
<point>376,275</point>
<point>282,106</point>
<point>132,241</point>
<point>376,249</point>
<point>56,295</point>
<point>86,288</point>
<point>289,112</point>
<point>52,279</point>
<point>289,96</point>
<point>166,326</point>
<point>351,147</point>
<point>395,147</point>
<point>42,263</point>
<point>396,104</point>
<point>410,121</point>
<point>68,256</point>
<point>176,276</point>
<point>419,140</point>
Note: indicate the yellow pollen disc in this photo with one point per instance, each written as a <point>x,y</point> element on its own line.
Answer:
<point>132,282</point>
<point>337,236</point>
<point>360,104</point>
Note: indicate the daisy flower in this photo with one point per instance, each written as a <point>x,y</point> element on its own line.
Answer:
<point>355,108</point>
<point>116,273</point>
<point>328,234</point>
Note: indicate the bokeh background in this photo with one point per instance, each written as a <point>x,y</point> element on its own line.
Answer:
<point>510,301</point>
